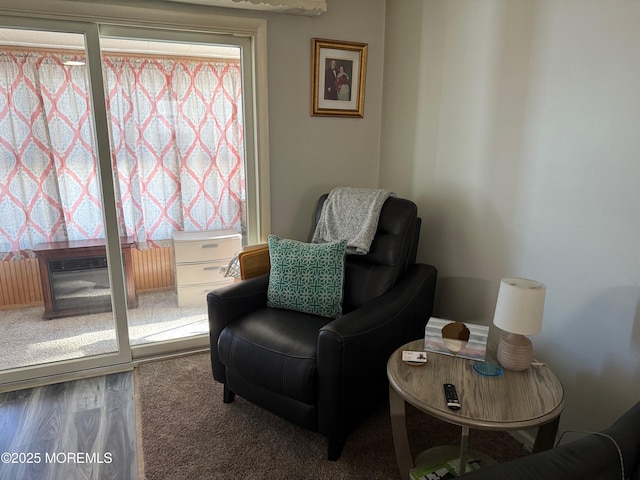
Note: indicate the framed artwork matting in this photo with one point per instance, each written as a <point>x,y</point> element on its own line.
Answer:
<point>338,71</point>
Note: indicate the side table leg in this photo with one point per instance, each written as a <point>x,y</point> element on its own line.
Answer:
<point>399,430</point>
<point>546,436</point>
<point>464,446</point>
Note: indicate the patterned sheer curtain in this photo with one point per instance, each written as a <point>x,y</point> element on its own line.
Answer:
<point>48,190</point>
<point>169,119</point>
<point>177,139</point>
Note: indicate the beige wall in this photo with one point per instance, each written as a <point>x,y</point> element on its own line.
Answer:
<point>515,126</point>
<point>311,155</point>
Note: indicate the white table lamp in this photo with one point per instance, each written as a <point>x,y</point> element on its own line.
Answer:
<point>518,312</point>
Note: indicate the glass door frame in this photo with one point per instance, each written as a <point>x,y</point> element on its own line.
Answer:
<point>106,182</point>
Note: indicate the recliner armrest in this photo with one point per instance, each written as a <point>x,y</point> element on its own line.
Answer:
<point>228,303</point>
<point>593,456</point>
<point>237,299</point>
<point>353,349</point>
<point>419,279</point>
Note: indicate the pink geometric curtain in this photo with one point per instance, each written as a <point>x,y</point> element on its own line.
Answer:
<point>169,119</point>
<point>176,135</point>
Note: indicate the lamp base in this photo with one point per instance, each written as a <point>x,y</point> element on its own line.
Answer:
<point>515,352</point>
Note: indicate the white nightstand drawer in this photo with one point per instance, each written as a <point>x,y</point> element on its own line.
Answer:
<point>206,250</point>
<point>206,246</point>
<point>196,295</point>
<point>195,273</point>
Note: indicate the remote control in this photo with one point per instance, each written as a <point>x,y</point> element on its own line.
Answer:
<point>451,396</point>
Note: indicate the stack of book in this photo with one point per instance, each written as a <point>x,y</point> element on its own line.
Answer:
<point>443,471</point>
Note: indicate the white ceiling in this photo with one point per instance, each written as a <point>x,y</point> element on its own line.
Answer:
<point>56,40</point>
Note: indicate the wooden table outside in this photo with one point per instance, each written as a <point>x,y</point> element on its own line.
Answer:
<point>511,401</point>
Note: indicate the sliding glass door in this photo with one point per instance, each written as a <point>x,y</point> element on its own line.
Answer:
<point>62,268</point>
<point>124,190</point>
<point>175,105</point>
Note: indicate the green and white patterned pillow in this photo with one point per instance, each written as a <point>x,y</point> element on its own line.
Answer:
<point>307,277</point>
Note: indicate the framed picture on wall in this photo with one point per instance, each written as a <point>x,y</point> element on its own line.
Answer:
<point>338,71</point>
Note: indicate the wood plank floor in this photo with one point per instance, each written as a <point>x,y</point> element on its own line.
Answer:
<point>83,429</point>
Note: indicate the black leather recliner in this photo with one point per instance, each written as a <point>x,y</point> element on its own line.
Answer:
<point>326,374</point>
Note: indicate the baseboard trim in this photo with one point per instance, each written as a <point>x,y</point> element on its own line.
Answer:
<point>524,437</point>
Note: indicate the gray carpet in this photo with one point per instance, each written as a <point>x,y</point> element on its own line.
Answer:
<point>187,432</point>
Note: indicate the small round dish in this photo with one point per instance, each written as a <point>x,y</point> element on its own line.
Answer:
<point>487,369</point>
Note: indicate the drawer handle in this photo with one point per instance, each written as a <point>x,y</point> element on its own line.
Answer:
<point>211,268</point>
<point>210,245</point>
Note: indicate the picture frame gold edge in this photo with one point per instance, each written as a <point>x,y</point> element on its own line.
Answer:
<point>362,49</point>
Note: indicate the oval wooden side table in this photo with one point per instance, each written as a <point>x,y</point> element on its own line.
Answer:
<point>512,401</point>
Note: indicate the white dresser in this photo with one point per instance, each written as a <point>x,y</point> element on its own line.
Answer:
<point>200,260</point>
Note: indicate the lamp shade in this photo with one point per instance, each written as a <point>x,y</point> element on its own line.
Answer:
<point>520,306</point>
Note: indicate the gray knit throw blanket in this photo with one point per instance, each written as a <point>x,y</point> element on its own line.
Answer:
<point>351,214</point>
